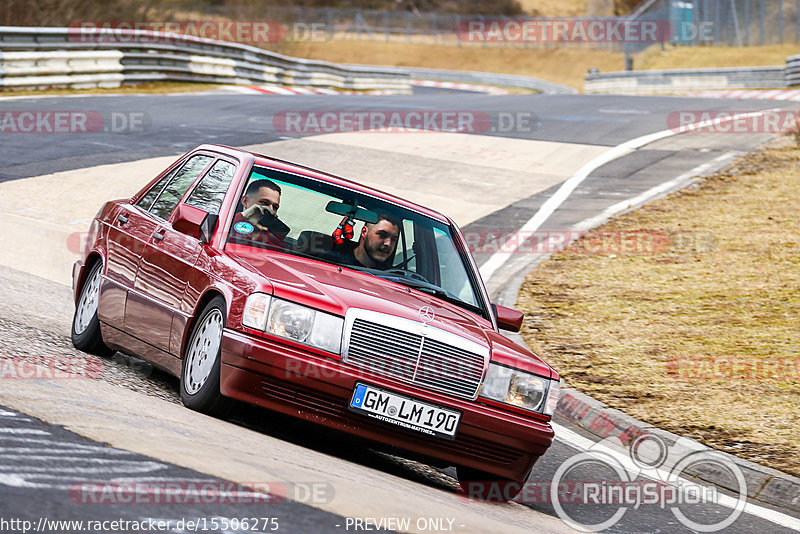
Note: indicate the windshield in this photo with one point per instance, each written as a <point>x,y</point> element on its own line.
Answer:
<point>301,216</point>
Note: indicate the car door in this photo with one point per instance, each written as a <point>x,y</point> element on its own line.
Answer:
<point>129,229</point>
<point>155,310</point>
<point>158,284</point>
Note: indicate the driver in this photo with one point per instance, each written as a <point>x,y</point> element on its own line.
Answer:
<point>376,244</point>
<point>261,196</point>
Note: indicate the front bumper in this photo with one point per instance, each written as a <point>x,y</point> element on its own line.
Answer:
<point>312,387</point>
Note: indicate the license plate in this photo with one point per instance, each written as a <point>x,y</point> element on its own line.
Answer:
<point>405,412</point>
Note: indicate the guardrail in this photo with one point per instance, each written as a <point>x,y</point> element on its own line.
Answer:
<point>792,74</point>
<point>69,57</point>
<point>659,82</point>
<point>489,78</point>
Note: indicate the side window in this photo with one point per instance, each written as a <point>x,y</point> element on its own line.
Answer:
<point>176,188</point>
<point>211,190</point>
<point>404,255</point>
<point>146,202</point>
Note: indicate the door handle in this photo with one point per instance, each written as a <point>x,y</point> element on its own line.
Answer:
<point>122,219</point>
<point>158,236</point>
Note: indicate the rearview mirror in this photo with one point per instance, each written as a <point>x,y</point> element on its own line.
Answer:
<point>360,214</point>
<point>508,318</point>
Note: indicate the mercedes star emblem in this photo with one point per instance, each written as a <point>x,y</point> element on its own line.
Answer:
<point>426,314</point>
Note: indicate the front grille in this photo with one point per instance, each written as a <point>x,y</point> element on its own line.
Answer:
<point>417,354</point>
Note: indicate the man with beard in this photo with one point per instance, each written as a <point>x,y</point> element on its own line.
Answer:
<point>376,246</point>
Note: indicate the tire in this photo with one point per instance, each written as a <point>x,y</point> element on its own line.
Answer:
<point>86,334</point>
<point>202,361</point>
<point>482,486</point>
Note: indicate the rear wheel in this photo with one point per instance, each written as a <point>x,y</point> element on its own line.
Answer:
<point>482,486</point>
<point>202,362</point>
<point>85,324</point>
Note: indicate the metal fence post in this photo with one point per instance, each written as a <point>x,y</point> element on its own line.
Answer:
<point>797,21</point>
<point>331,23</point>
<point>747,22</point>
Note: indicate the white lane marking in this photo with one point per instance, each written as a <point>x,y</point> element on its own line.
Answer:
<point>121,467</point>
<point>65,450</point>
<point>577,441</point>
<point>4,413</point>
<point>591,222</point>
<point>60,458</point>
<point>558,243</point>
<point>498,259</point>
<point>50,443</point>
<point>23,431</point>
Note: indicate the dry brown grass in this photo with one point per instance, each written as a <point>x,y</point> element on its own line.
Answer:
<point>685,57</point>
<point>703,338</point>
<point>560,65</point>
<point>555,8</point>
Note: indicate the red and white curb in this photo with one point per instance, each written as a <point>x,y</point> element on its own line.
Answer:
<point>760,94</point>
<point>488,89</point>
<point>284,90</point>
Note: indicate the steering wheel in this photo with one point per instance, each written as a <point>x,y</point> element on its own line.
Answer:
<point>405,273</point>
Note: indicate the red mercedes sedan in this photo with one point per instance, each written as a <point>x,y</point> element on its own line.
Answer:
<point>256,279</point>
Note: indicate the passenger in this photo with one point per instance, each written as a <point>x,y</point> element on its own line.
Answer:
<point>261,197</point>
<point>376,245</point>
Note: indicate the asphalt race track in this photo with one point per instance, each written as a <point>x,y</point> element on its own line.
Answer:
<point>61,440</point>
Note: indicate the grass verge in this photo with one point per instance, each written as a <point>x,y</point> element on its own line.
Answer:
<point>561,65</point>
<point>699,335</point>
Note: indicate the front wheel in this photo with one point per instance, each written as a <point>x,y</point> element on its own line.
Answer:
<point>202,361</point>
<point>85,324</point>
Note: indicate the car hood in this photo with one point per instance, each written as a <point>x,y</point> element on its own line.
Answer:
<point>329,288</point>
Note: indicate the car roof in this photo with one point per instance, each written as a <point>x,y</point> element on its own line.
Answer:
<point>275,163</point>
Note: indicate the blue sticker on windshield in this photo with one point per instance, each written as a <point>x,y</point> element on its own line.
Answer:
<point>243,227</point>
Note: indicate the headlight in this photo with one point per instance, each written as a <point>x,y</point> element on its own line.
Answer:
<point>519,388</point>
<point>293,321</point>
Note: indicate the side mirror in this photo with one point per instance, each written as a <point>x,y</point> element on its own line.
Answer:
<point>195,222</point>
<point>508,318</point>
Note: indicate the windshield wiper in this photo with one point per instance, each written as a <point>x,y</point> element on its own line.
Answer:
<point>425,287</point>
<point>432,289</point>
